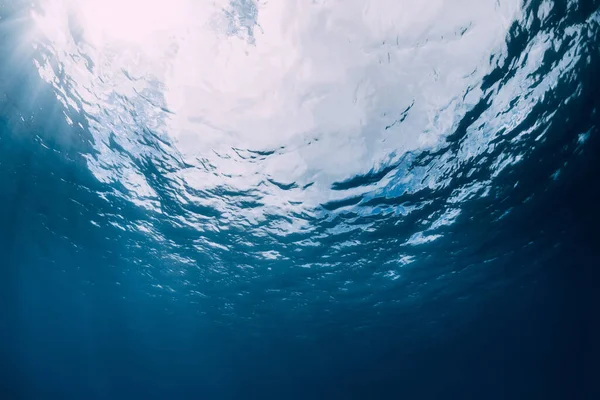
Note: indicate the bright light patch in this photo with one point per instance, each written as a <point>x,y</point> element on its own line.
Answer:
<point>134,21</point>
<point>214,76</point>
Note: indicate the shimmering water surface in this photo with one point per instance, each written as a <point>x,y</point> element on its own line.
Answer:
<point>234,199</point>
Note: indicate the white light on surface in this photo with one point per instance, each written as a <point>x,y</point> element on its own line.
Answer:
<point>332,71</point>
<point>133,21</point>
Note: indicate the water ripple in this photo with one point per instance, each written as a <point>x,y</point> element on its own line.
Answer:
<point>308,152</point>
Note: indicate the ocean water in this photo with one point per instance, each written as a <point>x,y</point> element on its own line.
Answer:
<point>240,199</point>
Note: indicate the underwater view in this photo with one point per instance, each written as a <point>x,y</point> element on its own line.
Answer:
<point>299,199</point>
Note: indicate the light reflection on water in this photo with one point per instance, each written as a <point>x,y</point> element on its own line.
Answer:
<point>308,94</point>
<point>332,138</point>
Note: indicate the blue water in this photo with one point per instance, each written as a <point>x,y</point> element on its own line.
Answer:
<point>335,211</point>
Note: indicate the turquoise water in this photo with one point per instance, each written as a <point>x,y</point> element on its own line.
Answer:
<point>299,200</point>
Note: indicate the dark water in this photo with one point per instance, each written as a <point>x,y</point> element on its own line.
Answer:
<point>464,267</point>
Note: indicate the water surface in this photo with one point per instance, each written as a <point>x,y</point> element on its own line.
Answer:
<point>327,199</point>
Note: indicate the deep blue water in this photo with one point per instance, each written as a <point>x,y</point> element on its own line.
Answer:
<point>467,267</point>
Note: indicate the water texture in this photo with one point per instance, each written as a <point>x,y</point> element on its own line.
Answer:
<point>237,199</point>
